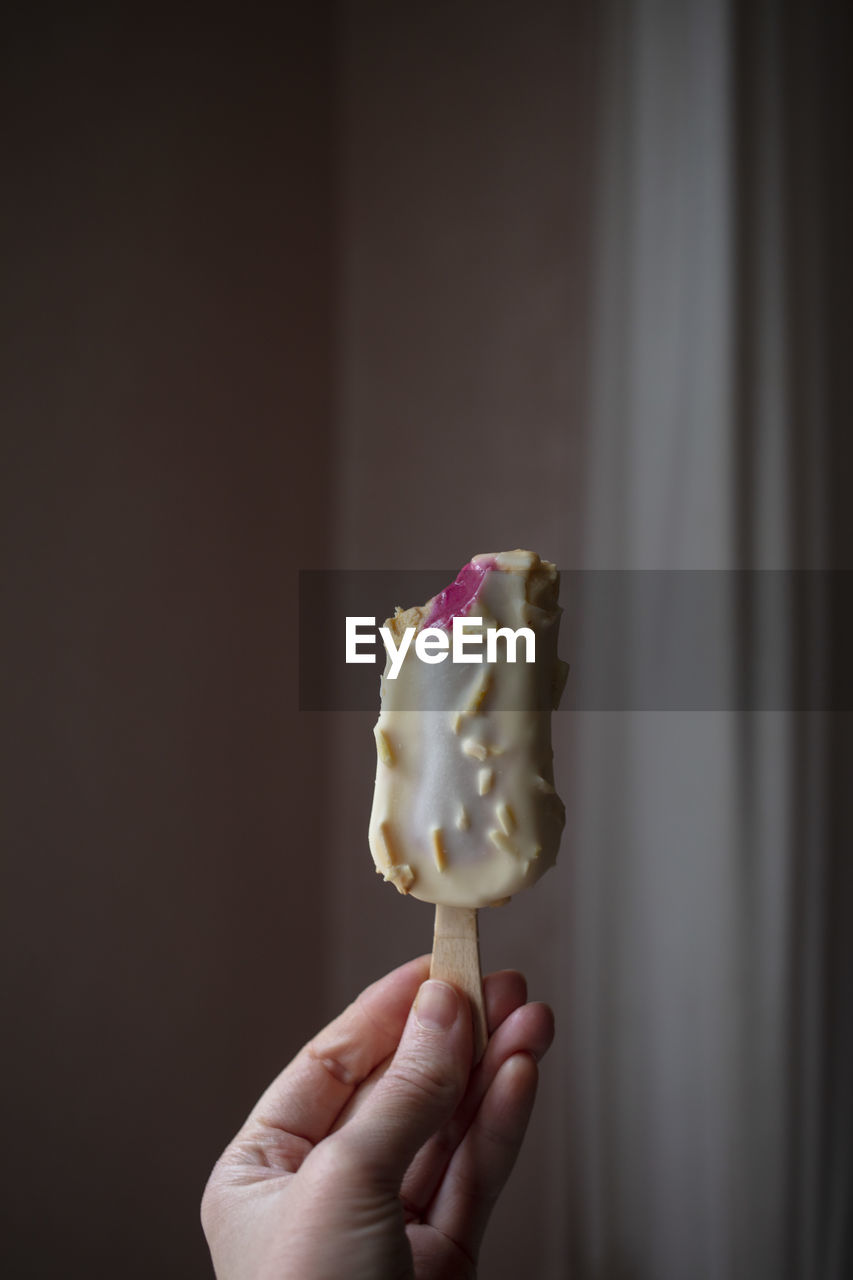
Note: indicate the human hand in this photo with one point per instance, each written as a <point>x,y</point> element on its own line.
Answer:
<point>378,1154</point>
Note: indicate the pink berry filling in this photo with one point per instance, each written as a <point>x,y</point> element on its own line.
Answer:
<point>455,600</point>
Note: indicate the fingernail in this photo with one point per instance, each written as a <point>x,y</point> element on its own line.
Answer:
<point>436,1006</point>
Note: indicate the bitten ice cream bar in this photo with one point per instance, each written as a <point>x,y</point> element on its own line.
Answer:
<point>465,813</point>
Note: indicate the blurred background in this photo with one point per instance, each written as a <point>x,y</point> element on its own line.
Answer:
<point>382,285</point>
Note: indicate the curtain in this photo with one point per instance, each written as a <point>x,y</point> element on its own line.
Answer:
<point>712,1091</point>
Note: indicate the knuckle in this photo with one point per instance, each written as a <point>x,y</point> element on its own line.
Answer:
<point>498,1138</point>
<point>425,1081</point>
<point>331,1060</point>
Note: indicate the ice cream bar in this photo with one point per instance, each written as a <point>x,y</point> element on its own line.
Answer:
<point>465,812</point>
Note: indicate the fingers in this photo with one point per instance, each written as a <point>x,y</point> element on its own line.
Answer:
<point>529,1030</point>
<point>308,1096</point>
<point>479,1169</point>
<point>503,991</point>
<point>419,1091</point>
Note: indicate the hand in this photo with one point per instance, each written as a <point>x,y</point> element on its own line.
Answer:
<point>378,1154</point>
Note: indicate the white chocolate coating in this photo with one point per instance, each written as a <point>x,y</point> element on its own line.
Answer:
<point>464,809</point>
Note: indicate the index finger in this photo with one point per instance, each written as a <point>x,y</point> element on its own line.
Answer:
<point>309,1094</point>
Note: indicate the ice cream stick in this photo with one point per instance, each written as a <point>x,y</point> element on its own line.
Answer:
<point>456,959</point>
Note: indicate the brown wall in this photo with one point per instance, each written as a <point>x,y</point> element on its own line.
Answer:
<point>280,294</point>
<point>168,251</point>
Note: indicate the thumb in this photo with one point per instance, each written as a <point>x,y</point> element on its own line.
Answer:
<point>421,1088</point>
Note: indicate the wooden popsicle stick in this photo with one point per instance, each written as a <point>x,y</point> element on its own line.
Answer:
<point>456,959</point>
